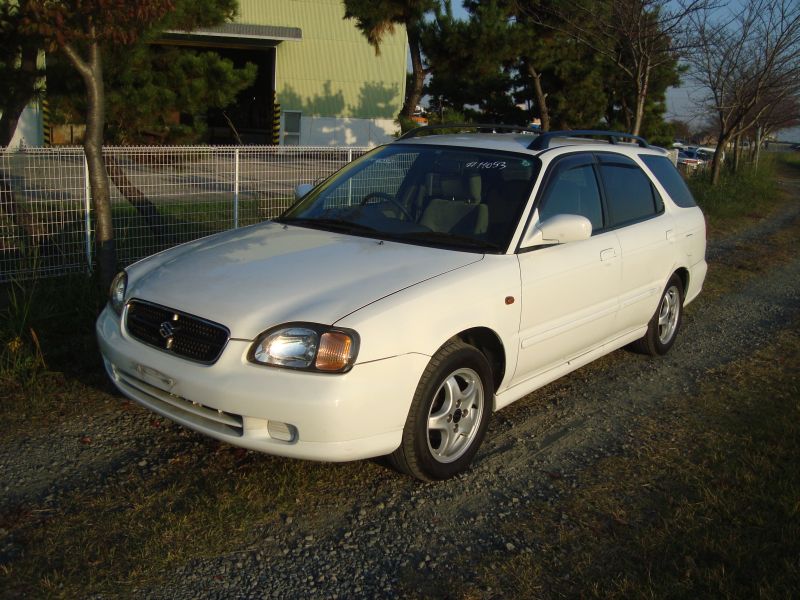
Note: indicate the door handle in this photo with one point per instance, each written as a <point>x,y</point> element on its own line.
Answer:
<point>608,254</point>
<point>671,236</point>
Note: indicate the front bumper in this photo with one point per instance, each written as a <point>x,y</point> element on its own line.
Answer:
<point>359,414</point>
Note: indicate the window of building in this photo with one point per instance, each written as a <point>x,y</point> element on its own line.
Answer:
<point>291,127</point>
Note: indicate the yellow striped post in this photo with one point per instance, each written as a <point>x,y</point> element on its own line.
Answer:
<point>46,131</point>
<point>276,119</point>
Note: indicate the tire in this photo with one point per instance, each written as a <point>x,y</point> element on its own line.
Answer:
<point>663,327</point>
<point>449,414</point>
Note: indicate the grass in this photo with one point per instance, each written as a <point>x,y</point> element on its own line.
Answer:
<point>742,198</point>
<point>206,501</point>
<point>704,503</point>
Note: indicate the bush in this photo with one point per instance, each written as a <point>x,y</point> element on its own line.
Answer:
<point>747,193</point>
<point>47,323</point>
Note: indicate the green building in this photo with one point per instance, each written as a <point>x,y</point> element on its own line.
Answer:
<point>319,80</point>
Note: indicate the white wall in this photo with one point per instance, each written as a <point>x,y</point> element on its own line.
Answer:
<point>334,131</point>
<point>29,128</point>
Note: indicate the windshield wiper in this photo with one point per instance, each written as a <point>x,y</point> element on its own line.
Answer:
<point>453,239</point>
<point>328,224</point>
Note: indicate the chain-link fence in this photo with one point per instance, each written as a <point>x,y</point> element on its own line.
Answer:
<point>160,196</point>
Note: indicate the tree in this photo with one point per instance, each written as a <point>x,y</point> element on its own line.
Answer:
<point>376,18</point>
<point>86,32</point>
<point>471,61</point>
<point>19,71</point>
<point>150,86</point>
<point>748,64</point>
<point>82,30</point>
<point>637,36</point>
<point>500,61</point>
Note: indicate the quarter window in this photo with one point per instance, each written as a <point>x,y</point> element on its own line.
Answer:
<point>668,176</point>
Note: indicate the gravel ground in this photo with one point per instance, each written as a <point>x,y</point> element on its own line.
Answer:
<point>394,528</point>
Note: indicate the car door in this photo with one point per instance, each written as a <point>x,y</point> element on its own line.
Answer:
<point>569,291</point>
<point>646,235</point>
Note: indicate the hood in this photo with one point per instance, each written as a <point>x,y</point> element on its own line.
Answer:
<point>258,277</point>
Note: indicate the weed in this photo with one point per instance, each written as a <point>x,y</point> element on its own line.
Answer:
<point>46,329</point>
<point>21,353</point>
<point>791,160</point>
<point>702,504</point>
<point>739,198</point>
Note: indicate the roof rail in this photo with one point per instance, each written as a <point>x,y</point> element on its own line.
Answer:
<point>543,141</point>
<point>492,128</point>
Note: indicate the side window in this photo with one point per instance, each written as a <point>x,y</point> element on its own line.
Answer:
<point>668,176</point>
<point>629,193</point>
<point>572,189</point>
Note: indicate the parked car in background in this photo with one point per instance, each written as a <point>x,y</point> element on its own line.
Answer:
<point>691,160</point>
<point>400,302</point>
<point>706,153</point>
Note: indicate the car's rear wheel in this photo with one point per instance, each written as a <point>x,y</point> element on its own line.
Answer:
<point>663,327</point>
<point>449,414</point>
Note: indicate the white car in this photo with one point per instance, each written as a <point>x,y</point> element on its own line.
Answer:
<point>400,302</point>
<point>690,160</point>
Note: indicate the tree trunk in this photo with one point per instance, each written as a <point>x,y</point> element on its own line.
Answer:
<point>92,73</point>
<point>757,149</point>
<point>541,97</point>
<point>716,163</point>
<point>414,93</point>
<point>641,97</point>
<point>737,152</point>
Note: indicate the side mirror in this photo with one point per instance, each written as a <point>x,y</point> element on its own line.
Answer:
<point>302,189</point>
<point>558,229</point>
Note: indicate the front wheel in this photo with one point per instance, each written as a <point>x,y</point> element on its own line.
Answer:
<point>663,327</point>
<point>449,414</point>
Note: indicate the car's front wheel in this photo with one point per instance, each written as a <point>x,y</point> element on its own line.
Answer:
<point>448,416</point>
<point>663,327</point>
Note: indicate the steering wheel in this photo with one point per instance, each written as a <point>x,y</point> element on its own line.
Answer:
<point>387,198</point>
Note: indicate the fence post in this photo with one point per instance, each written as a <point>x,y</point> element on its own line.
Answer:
<point>236,188</point>
<point>87,207</point>
<point>350,180</point>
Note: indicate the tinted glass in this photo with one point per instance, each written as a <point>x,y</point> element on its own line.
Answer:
<point>668,176</point>
<point>629,194</point>
<point>573,190</point>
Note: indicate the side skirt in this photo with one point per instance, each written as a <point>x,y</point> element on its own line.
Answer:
<point>527,386</point>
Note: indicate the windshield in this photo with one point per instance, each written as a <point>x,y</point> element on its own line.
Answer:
<point>461,198</point>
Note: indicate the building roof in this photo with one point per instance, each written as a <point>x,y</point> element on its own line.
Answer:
<point>236,35</point>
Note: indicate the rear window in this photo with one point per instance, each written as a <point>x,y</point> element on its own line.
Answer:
<point>668,176</point>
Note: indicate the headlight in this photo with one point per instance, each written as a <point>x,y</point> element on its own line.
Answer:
<point>116,294</point>
<point>306,346</point>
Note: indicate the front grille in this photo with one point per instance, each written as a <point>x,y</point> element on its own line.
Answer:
<point>176,332</point>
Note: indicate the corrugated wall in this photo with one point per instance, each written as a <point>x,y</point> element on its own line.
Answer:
<point>333,71</point>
